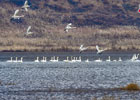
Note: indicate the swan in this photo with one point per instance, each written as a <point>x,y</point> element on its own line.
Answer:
<point>21,60</point>
<point>74,59</point>
<point>99,51</point>
<point>135,57</point>
<point>120,59</point>
<point>87,60</point>
<point>44,59</point>
<point>68,27</point>
<point>98,60</point>
<point>82,48</point>
<point>37,59</point>
<point>54,60</point>
<point>79,60</point>
<point>15,60</point>
<point>67,60</point>
<point>108,59</point>
<point>11,60</point>
<point>28,32</point>
<point>15,15</point>
<point>26,6</point>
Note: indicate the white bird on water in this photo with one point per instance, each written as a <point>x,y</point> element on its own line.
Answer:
<point>82,48</point>
<point>15,16</point>
<point>28,32</point>
<point>11,60</point>
<point>69,27</point>
<point>37,59</point>
<point>26,6</point>
<point>135,57</point>
<point>108,59</point>
<point>99,51</point>
<point>98,60</point>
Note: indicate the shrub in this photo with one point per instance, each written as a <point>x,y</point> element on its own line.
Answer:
<point>131,87</point>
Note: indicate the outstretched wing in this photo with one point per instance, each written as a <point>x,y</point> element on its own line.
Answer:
<point>16,12</point>
<point>81,47</point>
<point>26,9</point>
<point>69,25</point>
<point>26,2</point>
<point>97,48</point>
<point>29,28</point>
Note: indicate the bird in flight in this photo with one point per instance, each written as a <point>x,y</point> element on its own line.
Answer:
<point>99,51</point>
<point>69,26</point>
<point>82,48</point>
<point>15,16</point>
<point>28,32</point>
<point>26,6</point>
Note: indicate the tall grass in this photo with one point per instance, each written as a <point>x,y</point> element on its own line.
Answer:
<point>48,33</point>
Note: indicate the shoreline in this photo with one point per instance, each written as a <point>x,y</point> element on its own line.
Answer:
<point>70,50</point>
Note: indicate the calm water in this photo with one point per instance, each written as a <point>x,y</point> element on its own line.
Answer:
<point>67,81</point>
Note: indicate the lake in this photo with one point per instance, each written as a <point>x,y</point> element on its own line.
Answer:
<point>67,81</point>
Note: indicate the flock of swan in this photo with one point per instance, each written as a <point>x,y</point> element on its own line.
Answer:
<point>16,16</point>
<point>28,31</point>
<point>72,59</point>
<point>56,59</point>
<point>76,59</point>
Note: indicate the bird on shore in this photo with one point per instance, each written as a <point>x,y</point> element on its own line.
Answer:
<point>69,26</point>
<point>28,32</point>
<point>99,51</point>
<point>15,16</point>
<point>26,6</point>
<point>82,48</point>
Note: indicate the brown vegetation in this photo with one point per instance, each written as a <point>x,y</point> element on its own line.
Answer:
<point>131,87</point>
<point>49,17</point>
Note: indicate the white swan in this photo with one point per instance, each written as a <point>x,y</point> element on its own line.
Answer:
<point>79,60</point>
<point>16,60</point>
<point>67,60</point>
<point>37,59</point>
<point>28,32</point>
<point>99,51</point>
<point>87,60</point>
<point>54,60</point>
<point>44,59</point>
<point>135,57</point>
<point>120,59</point>
<point>73,59</point>
<point>108,59</point>
<point>68,27</point>
<point>11,60</point>
<point>15,15</point>
<point>98,60</point>
<point>21,60</point>
<point>26,6</point>
<point>82,48</point>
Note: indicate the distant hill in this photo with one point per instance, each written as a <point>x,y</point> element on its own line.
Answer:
<point>83,12</point>
<point>94,19</point>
